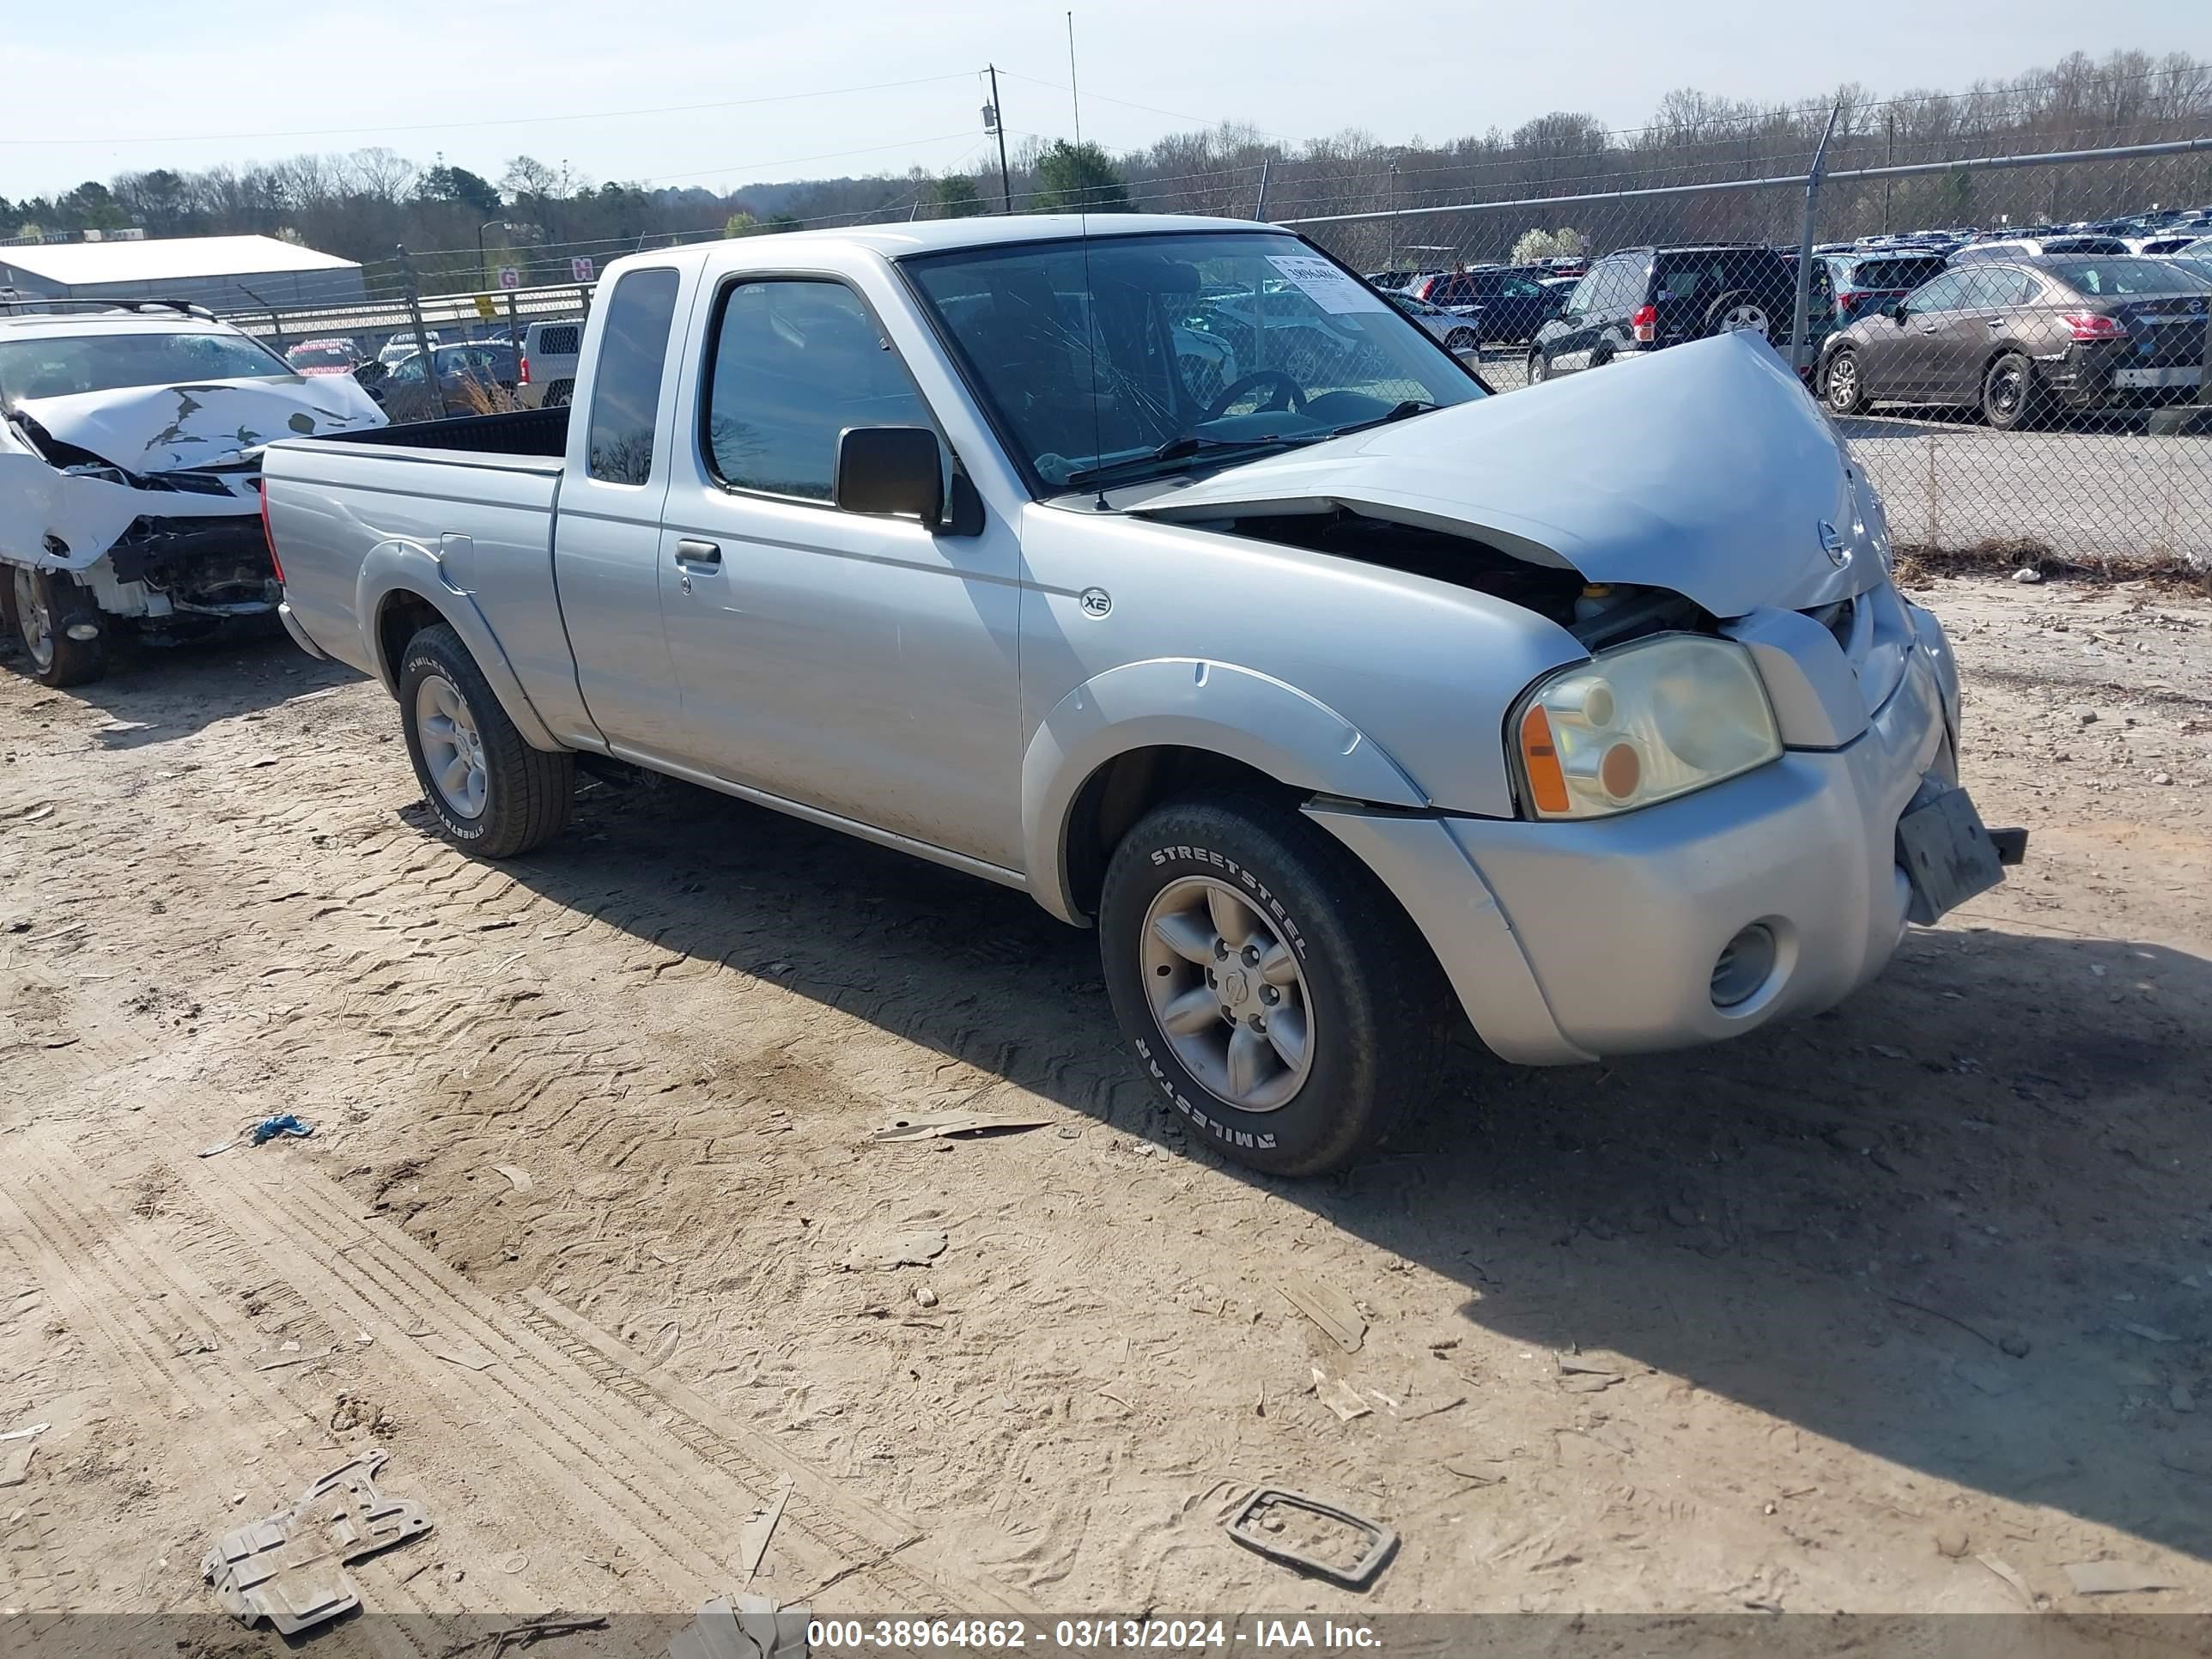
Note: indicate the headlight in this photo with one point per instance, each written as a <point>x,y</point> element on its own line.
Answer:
<point>1645,723</point>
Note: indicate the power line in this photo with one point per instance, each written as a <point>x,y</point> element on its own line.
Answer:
<point>106,140</point>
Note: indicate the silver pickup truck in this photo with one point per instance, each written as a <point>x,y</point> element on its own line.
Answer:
<point>1158,567</point>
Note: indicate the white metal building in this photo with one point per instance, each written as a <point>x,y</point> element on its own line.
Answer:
<point>223,273</point>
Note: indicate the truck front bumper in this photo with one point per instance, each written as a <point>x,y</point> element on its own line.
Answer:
<point>1567,941</point>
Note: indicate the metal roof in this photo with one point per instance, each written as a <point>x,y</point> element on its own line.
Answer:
<point>175,258</point>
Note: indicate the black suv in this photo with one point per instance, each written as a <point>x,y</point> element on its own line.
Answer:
<point>1640,299</point>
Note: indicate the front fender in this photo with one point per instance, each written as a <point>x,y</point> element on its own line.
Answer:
<point>1184,702</point>
<point>398,566</point>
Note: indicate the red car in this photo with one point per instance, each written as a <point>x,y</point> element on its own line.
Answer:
<point>323,357</point>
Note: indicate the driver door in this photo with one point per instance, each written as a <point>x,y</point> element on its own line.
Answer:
<point>1899,358</point>
<point>862,666</point>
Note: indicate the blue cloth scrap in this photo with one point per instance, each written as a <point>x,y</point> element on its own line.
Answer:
<point>285,1124</point>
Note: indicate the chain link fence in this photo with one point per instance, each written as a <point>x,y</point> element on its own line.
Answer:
<point>2015,346</point>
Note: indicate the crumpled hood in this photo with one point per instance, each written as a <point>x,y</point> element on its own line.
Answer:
<point>1704,469</point>
<point>160,428</point>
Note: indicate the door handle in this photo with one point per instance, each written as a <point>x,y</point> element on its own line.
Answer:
<point>690,550</point>
<point>1994,322</point>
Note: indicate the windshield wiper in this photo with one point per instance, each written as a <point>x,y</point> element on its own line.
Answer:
<point>1189,446</point>
<point>1411,407</point>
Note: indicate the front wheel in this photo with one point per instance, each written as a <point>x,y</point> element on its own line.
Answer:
<point>492,794</point>
<point>1461,339</point>
<point>1538,369</point>
<point>48,611</point>
<point>1275,992</point>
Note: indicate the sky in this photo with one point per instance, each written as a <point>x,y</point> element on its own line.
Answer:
<point>719,93</point>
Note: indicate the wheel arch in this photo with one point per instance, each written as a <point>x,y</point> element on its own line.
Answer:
<point>1140,733</point>
<point>402,590</point>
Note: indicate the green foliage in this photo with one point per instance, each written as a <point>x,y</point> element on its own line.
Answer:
<point>957,197</point>
<point>1070,176</point>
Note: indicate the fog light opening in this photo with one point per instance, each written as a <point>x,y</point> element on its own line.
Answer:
<point>1744,965</point>
<point>83,630</point>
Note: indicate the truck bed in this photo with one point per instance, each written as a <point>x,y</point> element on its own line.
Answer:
<point>543,432</point>
<point>466,505</point>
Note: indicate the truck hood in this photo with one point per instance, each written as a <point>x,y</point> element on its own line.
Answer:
<point>1703,469</point>
<point>146,429</point>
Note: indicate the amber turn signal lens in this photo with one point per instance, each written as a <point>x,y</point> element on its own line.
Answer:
<point>1540,760</point>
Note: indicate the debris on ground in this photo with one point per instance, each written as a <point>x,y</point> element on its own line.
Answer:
<point>467,1355</point>
<point>967,1126</point>
<point>1338,1396</point>
<point>284,1123</point>
<point>1950,1541</point>
<point>1327,1307</point>
<point>2149,1332</point>
<point>218,1149</point>
<point>541,1627</point>
<point>290,1568</point>
<point>287,1353</point>
<point>885,1252</point>
<point>2010,1577</point>
<point>744,1627</point>
<point>2115,1577</point>
<point>755,1536</point>
<point>16,1448</point>
<point>517,1178</point>
<point>1475,1468</point>
<point>1313,1537</point>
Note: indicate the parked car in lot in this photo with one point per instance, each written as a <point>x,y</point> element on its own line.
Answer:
<point>2026,337</point>
<point>469,375</point>
<point>401,347</point>
<point>317,358</point>
<point>1644,299</point>
<point>1866,281</point>
<point>131,441</point>
<point>545,377</point>
<point>2032,247</point>
<point>1331,703</point>
<point>1457,332</point>
<point>1507,306</point>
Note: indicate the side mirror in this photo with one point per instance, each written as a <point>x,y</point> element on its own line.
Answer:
<point>898,471</point>
<point>1894,311</point>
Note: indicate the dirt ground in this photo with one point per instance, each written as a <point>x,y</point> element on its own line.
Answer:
<point>1906,1307</point>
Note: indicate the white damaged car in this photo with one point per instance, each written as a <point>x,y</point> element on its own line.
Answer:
<point>130,440</point>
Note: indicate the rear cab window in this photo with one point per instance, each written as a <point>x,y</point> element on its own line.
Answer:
<point>626,393</point>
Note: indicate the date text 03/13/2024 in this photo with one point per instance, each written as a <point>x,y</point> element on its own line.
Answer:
<point>1070,1636</point>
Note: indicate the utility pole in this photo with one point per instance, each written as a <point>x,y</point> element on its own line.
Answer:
<point>1259,210</point>
<point>997,124</point>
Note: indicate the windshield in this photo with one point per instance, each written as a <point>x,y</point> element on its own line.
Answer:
<point>1203,342</point>
<point>2125,277</point>
<point>320,356</point>
<point>64,365</point>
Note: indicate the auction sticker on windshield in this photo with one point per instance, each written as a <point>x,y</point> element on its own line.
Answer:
<point>1329,288</point>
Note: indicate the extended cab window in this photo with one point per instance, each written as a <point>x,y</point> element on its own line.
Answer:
<point>797,360</point>
<point>633,352</point>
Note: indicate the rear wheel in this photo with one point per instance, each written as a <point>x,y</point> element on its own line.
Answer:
<point>558,395</point>
<point>1275,992</point>
<point>1538,369</point>
<point>2009,397</point>
<point>1461,339</point>
<point>42,607</point>
<point>1844,389</point>
<point>492,794</point>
